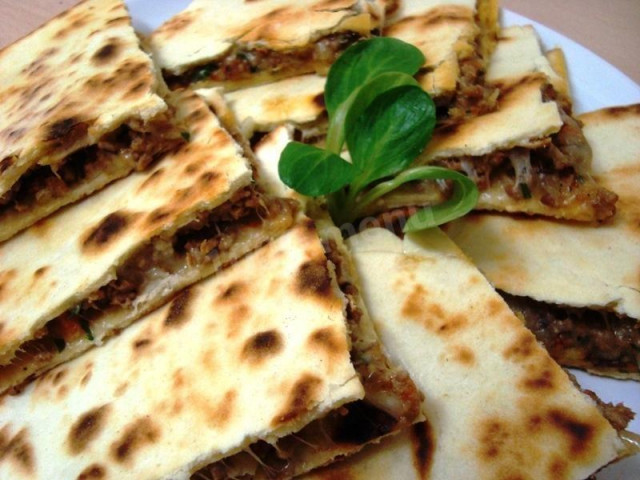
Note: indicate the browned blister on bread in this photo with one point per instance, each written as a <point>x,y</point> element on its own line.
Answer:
<point>81,106</point>
<point>103,262</point>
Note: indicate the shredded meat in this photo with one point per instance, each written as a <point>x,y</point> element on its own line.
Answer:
<point>391,401</point>
<point>582,338</point>
<point>242,64</point>
<point>130,146</point>
<point>160,258</point>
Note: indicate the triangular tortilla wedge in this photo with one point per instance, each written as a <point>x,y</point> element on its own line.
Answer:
<point>456,38</point>
<point>80,106</point>
<point>297,101</point>
<point>90,270</point>
<point>230,366</point>
<point>498,406</point>
<point>588,269</point>
<point>241,42</point>
<point>529,155</point>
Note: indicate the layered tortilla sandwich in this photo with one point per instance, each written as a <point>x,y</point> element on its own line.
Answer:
<point>91,269</point>
<point>242,42</point>
<point>80,107</point>
<point>529,155</point>
<point>296,101</point>
<point>576,286</point>
<point>222,379</point>
<point>497,405</point>
<point>456,38</point>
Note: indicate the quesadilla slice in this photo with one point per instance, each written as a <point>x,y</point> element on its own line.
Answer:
<point>296,101</point>
<point>241,42</point>
<point>80,107</point>
<point>456,38</point>
<point>497,405</point>
<point>529,155</point>
<point>90,270</point>
<point>233,368</point>
<point>576,286</point>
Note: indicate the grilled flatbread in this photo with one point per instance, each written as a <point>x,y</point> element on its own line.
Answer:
<point>498,405</point>
<point>529,155</point>
<point>241,42</point>
<point>223,373</point>
<point>80,107</point>
<point>456,37</point>
<point>296,101</point>
<point>577,286</point>
<point>90,270</point>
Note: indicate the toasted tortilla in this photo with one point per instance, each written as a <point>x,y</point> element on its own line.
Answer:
<point>448,34</point>
<point>540,166</point>
<point>80,107</point>
<point>518,53</point>
<point>298,101</point>
<point>579,266</point>
<point>221,370</point>
<point>498,405</point>
<point>101,263</point>
<point>240,42</point>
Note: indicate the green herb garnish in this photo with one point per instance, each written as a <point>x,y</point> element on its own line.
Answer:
<point>377,109</point>
<point>87,329</point>
<point>185,135</point>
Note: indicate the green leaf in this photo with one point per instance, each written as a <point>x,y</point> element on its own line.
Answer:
<point>390,133</point>
<point>312,171</point>
<point>462,201</point>
<point>365,60</point>
<point>350,110</point>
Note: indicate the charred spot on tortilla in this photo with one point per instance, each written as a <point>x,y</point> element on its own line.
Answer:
<point>179,309</point>
<point>579,434</point>
<point>139,433</point>
<point>107,52</point>
<point>112,226</point>
<point>17,450</point>
<point>86,428</point>
<point>233,292</point>
<point>262,345</point>
<point>328,340</point>
<point>93,472</point>
<point>301,398</point>
<point>313,278</point>
<point>423,442</point>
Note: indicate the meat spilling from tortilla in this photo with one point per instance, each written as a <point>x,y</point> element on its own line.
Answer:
<point>220,369</point>
<point>575,284</point>
<point>497,405</point>
<point>77,117</point>
<point>116,255</point>
<point>391,400</point>
<point>456,38</point>
<point>592,340</point>
<point>243,43</point>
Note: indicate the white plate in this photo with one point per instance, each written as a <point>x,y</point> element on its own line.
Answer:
<point>590,91</point>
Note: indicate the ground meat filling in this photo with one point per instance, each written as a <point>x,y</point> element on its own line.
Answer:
<point>242,64</point>
<point>473,96</point>
<point>132,146</point>
<point>197,243</point>
<point>391,401</point>
<point>582,338</point>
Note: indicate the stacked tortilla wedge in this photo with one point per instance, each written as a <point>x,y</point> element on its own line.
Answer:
<point>158,402</point>
<point>80,106</point>
<point>104,262</point>
<point>582,281</point>
<point>241,43</point>
<point>497,405</point>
